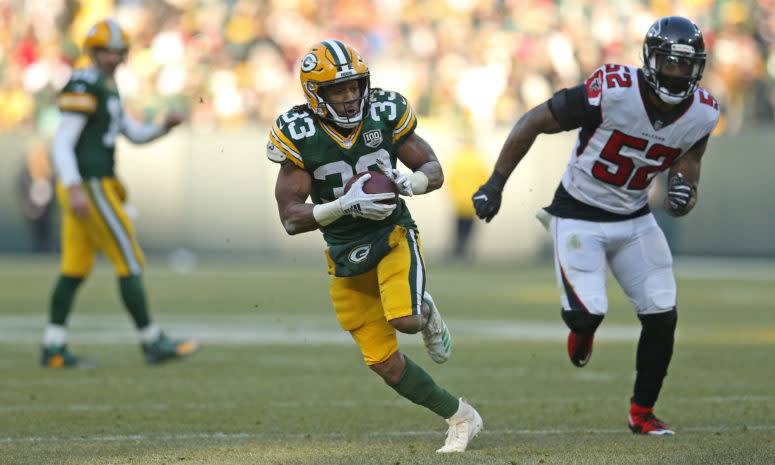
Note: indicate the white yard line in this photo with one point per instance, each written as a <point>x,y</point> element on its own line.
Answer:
<point>269,329</point>
<point>306,435</point>
<point>397,403</point>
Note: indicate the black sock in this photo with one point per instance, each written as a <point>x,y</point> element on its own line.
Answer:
<point>655,349</point>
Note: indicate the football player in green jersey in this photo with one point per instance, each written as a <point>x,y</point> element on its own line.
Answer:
<point>374,253</point>
<point>92,198</point>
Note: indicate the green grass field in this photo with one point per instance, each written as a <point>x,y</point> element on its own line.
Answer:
<point>277,382</point>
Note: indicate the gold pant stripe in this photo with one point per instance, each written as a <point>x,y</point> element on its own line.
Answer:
<point>116,228</point>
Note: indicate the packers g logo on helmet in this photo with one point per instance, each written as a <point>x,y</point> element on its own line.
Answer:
<point>309,62</point>
<point>106,34</point>
<point>331,62</point>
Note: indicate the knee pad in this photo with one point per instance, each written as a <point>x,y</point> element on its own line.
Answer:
<point>580,321</point>
<point>659,320</point>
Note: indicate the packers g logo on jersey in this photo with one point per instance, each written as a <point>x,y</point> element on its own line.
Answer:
<point>359,254</point>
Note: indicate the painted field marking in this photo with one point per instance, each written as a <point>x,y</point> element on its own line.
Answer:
<point>242,435</point>
<point>37,406</point>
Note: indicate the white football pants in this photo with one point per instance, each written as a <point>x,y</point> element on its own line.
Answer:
<point>637,252</point>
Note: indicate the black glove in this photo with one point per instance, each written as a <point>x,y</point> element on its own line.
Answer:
<point>679,192</point>
<point>487,200</point>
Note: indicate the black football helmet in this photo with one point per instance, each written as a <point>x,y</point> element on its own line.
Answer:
<point>673,58</point>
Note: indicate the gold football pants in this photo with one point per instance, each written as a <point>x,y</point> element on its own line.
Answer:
<point>107,229</point>
<point>394,288</point>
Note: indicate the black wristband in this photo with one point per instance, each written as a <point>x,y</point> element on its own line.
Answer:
<point>496,181</point>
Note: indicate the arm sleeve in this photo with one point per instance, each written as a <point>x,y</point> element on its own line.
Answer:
<point>571,108</point>
<point>63,147</point>
<point>140,133</point>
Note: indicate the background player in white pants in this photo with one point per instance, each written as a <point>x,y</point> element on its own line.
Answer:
<point>633,123</point>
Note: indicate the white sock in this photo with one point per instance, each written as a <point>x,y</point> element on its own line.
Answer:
<point>150,333</point>
<point>55,335</point>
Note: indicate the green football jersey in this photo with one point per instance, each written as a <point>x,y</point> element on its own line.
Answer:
<point>87,92</point>
<point>332,159</point>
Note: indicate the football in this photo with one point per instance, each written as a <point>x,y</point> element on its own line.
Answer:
<point>378,184</point>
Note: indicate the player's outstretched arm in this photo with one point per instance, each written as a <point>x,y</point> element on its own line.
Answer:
<point>142,133</point>
<point>683,179</point>
<point>173,118</point>
<point>487,200</point>
<point>539,120</point>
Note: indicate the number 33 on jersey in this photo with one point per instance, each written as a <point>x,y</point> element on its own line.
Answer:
<point>332,158</point>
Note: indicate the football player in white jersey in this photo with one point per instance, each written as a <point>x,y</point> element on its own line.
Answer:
<point>633,123</point>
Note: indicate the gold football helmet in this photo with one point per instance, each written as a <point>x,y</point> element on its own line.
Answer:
<point>331,62</point>
<point>108,35</point>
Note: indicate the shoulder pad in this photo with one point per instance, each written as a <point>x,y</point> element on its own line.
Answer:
<point>707,98</point>
<point>381,95</point>
<point>273,153</point>
<point>80,94</point>
<point>288,134</point>
<point>393,110</point>
<point>87,76</point>
<point>609,76</point>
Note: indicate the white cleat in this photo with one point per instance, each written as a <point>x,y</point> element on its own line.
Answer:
<point>463,426</point>
<point>436,336</point>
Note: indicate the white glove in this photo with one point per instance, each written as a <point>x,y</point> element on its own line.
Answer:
<point>357,203</point>
<point>402,181</point>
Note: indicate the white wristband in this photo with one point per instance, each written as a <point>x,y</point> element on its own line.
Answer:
<point>327,213</point>
<point>419,182</point>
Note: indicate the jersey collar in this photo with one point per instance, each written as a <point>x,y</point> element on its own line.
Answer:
<point>659,119</point>
<point>344,142</point>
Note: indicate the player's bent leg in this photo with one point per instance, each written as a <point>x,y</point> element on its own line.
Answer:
<point>435,335</point>
<point>418,386</point>
<point>377,340</point>
<point>391,369</point>
<point>582,327</point>
<point>410,324</point>
<point>579,262</point>
<point>412,382</point>
<point>401,277</point>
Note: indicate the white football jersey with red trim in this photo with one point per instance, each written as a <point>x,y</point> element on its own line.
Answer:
<point>612,165</point>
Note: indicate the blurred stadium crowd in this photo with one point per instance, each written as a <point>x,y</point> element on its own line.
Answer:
<point>232,62</point>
